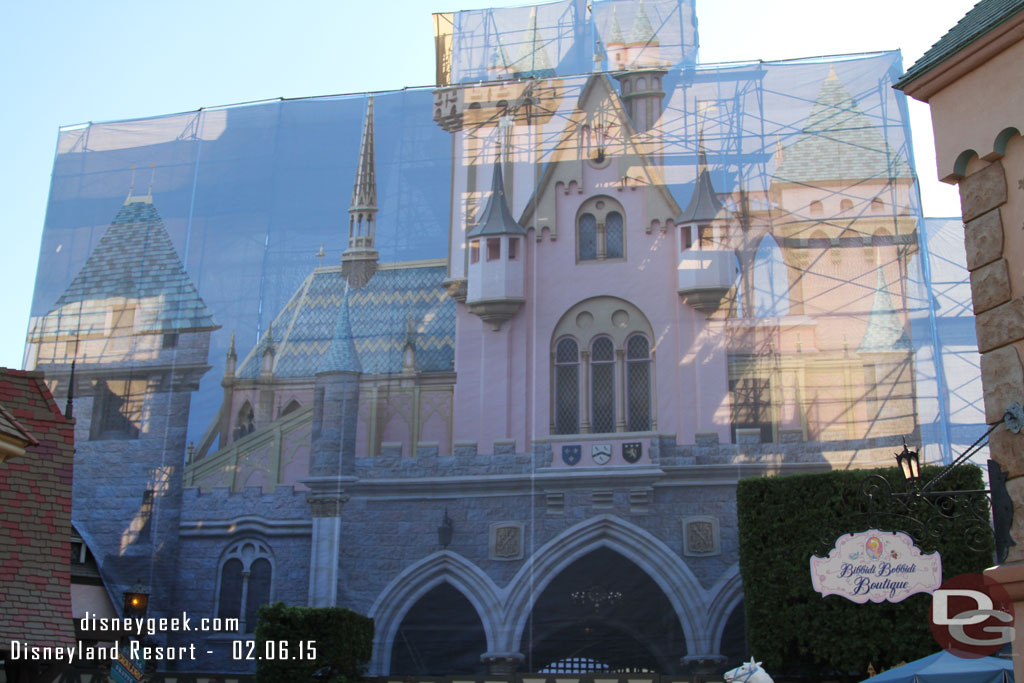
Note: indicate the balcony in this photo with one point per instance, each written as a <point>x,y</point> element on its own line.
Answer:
<point>704,278</point>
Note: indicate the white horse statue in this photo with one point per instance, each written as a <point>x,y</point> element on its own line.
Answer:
<point>748,672</point>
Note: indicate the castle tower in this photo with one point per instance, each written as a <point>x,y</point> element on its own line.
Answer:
<point>359,261</point>
<point>332,454</point>
<point>641,70</point>
<point>495,287</point>
<point>706,264</point>
<point>138,333</point>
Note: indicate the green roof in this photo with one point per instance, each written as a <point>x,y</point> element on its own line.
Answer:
<point>134,260</point>
<point>885,332</point>
<point>985,16</point>
<point>839,141</point>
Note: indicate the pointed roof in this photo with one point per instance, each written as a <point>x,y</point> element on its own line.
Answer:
<point>704,205</point>
<point>599,87</point>
<point>364,189</point>
<point>615,30</point>
<point>885,331</point>
<point>342,355</point>
<point>839,141</point>
<point>134,260</point>
<point>643,32</point>
<point>533,58</point>
<point>496,219</point>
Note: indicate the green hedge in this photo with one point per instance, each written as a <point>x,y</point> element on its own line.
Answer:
<point>793,629</point>
<point>286,637</point>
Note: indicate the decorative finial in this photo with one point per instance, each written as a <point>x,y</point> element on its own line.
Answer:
<point>832,72</point>
<point>131,185</point>
<point>152,175</point>
<point>320,256</point>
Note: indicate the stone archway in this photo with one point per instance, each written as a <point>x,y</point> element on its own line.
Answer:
<point>441,635</point>
<point>603,613</point>
<point>418,580</point>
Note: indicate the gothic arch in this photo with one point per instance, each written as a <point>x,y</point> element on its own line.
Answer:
<point>399,596</point>
<point>770,276</point>
<point>664,567</point>
<point>728,594</point>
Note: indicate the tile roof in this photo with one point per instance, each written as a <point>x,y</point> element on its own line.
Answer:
<point>342,355</point>
<point>134,260</point>
<point>985,16</point>
<point>304,331</point>
<point>35,519</point>
<point>12,429</point>
<point>496,219</point>
<point>839,141</point>
<point>885,331</point>
<point>704,204</point>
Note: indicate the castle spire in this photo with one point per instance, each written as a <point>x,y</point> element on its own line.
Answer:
<point>359,261</point>
<point>364,190</point>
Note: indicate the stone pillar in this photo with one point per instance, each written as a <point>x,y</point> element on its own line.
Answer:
<point>325,549</point>
<point>999,323</point>
<point>502,663</point>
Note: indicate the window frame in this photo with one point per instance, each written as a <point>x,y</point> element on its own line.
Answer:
<point>600,208</point>
<point>236,551</point>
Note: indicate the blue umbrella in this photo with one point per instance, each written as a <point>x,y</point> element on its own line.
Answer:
<point>943,667</point>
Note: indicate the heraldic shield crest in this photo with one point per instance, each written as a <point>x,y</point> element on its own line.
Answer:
<point>571,454</point>
<point>631,451</point>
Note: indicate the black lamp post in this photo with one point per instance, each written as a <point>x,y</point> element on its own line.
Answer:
<point>979,514</point>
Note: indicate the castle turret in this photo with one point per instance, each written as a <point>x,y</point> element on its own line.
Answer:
<point>640,69</point>
<point>134,328</point>
<point>495,287</point>
<point>706,265</point>
<point>359,261</point>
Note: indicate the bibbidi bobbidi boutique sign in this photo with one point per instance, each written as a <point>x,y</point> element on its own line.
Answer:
<point>880,566</point>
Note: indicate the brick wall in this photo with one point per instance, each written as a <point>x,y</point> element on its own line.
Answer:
<point>35,519</point>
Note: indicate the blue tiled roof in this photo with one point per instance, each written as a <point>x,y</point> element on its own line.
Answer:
<point>839,141</point>
<point>136,260</point>
<point>885,331</point>
<point>378,313</point>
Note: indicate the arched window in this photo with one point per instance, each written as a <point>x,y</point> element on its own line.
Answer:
<point>845,205</point>
<point>246,571</point>
<point>613,235</point>
<point>602,385</point>
<point>816,208</point>
<point>600,230</point>
<point>879,241</point>
<point>638,383</point>
<point>588,237</point>
<point>771,284</point>
<point>244,422</point>
<point>603,376</point>
<point>567,387</point>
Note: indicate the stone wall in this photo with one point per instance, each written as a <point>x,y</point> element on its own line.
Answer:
<point>994,260</point>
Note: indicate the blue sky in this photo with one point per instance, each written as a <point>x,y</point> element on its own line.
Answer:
<point>68,63</point>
